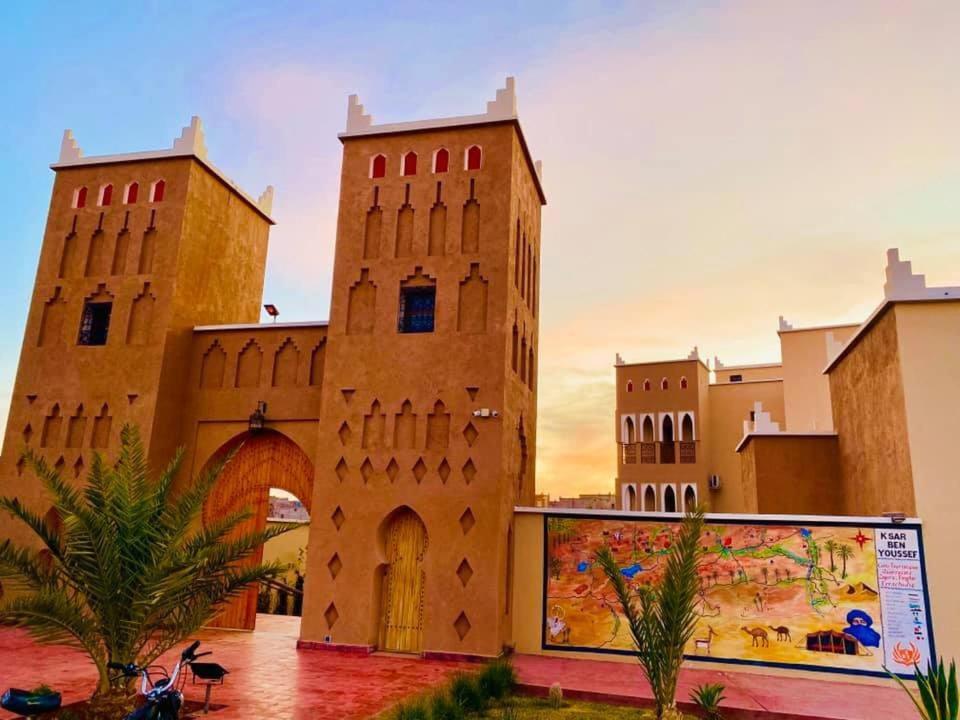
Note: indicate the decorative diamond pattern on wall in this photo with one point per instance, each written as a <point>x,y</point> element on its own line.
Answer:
<point>338,517</point>
<point>393,469</point>
<point>342,471</point>
<point>366,470</point>
<point>331,616</point>
<point>467,520</point>
<point>470,434</point>
<point>444,470</point>
<point>469,471</point>
<point>462,625</point>
<point>335,566</point>
<point>464,572</point>
<point>419,470</point>
<point>344,433</point>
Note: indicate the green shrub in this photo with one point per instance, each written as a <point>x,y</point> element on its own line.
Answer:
<point>708,697</point>
<point>498,679</point>
<point>443,707</point>
<point>43,690</point>
<point>939,695</point>
<point>466,692</point>
<point>414,710</point>
<point>555,696</point>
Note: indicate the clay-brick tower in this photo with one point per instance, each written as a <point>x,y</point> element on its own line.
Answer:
<point>138,249</point>
<point>427,431</point>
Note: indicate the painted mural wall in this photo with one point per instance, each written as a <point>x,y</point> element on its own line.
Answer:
<point>836,597</point>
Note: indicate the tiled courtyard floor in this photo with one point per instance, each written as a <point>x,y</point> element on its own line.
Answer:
<point>270,678</point>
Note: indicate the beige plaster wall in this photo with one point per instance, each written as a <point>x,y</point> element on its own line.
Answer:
<point>730,405</point>
<point>793,475</point>
<point>928,337</point>
<point>806,389</point>
<point>749,373</point>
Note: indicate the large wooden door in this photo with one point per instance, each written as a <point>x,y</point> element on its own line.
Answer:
<point>401,624</point>
<point>263,461</point>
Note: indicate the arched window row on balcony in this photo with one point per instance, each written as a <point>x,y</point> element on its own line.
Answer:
<point>662,497</point>
<point>440,162</point>
<point>658,437</point>
<point>131,193</point>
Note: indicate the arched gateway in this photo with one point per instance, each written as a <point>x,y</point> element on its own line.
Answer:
<point>261,461</point>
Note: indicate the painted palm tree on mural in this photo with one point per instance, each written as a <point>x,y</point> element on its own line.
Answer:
<point>831,547</point>
<point>127,571</point>
<point>845,552</point>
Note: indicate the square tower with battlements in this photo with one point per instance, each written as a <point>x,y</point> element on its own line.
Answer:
<point>428,416</point>
<point>138,249</point>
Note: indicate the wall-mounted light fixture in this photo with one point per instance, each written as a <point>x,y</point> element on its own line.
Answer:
<point>272,311</point>
<point>258,418</point>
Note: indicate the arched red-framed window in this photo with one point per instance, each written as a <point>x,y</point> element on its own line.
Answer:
<point>664,384</point>
<point>646,385</point>
<point>683,383</point>
<point>441,160</point>
<point>378,166</point>
<point>80,197</point>
<point>130,197</point>
<point>106,195</point>
<point>629,385</point>
<point>157,190</point>
<point>474,157</point>
<point>409,164</point>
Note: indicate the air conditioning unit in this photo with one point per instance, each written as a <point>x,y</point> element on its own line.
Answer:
<point>714,482</point>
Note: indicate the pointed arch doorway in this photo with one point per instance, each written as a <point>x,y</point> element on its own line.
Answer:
<point>401,607</point>
<point>265,460</point>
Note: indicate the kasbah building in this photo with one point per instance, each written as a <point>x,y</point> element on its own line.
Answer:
<point>407,422</point>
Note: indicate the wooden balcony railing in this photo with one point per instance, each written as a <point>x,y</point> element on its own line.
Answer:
<point>668,453</point>
<point>629,453</point>
<point>688,452</point>
<point>648,453</point>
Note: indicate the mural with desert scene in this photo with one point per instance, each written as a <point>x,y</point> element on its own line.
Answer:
<point>825,595</point>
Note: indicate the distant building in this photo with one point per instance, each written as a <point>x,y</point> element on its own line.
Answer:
<point>596,501</point>
<point>286,509</point>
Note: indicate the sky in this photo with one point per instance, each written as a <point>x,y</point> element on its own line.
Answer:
<point>708,166</point>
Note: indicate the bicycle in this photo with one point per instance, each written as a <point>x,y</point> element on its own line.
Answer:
<point>164,698</point>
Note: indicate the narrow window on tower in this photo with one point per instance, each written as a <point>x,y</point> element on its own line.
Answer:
<point>157,190</point>
<point>473,157</point>
<point>106,195</point>
<point>80,197</point>
<point>409,164</point>
<point>417,307</point>
<point>130,194</point>
<point>378,166</point>
<point>441,161</point>
<point>95,323</point>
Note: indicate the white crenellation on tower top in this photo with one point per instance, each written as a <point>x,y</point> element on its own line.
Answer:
<point>69,150</point>
<point>191,140</point>
<point>903,284</point>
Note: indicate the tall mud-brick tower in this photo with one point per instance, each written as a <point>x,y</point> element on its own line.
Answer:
<point>429,396</point>
<point>138,249</point>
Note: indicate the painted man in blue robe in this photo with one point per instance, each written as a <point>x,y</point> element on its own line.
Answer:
<point>860,626</point>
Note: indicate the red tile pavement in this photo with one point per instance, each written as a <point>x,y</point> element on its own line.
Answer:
<point>269,677</point>
<point>749,695</point>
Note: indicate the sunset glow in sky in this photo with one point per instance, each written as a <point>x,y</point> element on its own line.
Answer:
<point>708,166</point>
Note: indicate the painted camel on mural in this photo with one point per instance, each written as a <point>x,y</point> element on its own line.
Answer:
<point>783,633</point>
<point>759,636</point>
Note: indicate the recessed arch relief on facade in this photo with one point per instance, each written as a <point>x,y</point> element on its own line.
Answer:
<point>437,240</point>
<point>404,242</point>
<point>438,427</point>
<point>212,366</point>
<point>248,365</point>
<point>76,426</point>
<point>121,249</point>
<point>649,498</point>
<point>317,360</point>
<point>69,257</point>
<point>647,429</point>
<point>361,305</point>
<point>50,436</point>
<point>472,302</point>
<point>100,439</point>
<point>669,495</point>
<point>51,319</point>
<point>688,431</point>
<point>372,228</point>
<point>374,428</point>
<point>285,363</point>
<point>470,223</point>
<point>148,244</point>
<point>141,317</point>
<point>97,257</point>
<point>689,497</point>
<point>630,496</point>
<point>405,427</point>
<point>628,430</point>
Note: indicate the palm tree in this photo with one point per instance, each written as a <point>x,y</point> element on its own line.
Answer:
<point>845,552</point>
<point>831,547</point>
<point>128,572</point>
<point>662,619</point>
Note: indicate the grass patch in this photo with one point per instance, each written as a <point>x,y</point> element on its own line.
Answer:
<point>528,708</point>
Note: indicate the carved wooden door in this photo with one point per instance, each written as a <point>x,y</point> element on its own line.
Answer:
<point>401,626</point>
